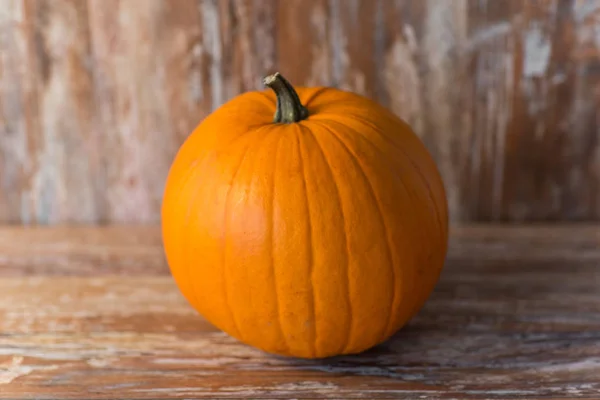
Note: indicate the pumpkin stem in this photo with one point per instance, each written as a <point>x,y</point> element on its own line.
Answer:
<point>289,107</point>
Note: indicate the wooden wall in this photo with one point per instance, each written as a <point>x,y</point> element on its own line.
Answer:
<point>97,95</point>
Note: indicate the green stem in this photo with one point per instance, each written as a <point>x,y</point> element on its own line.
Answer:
<point>289,107</point>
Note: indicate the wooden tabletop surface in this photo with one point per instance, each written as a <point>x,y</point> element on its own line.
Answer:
<point>93,313</point>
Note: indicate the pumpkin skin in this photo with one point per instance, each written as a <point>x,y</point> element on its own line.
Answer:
<point>311,239</point>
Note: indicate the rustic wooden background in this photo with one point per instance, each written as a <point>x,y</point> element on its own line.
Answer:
<point>97,95</point>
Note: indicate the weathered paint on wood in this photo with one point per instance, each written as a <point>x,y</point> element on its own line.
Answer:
<point>97,95</point>
<point>515,315</point>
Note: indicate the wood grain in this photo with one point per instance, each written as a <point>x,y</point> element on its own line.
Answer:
<point>515,315</point>
<point>83,251</point>
<point>97,96</point>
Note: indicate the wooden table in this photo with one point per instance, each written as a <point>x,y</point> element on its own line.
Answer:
<point>93,313</point>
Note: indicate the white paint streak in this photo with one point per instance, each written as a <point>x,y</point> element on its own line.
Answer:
<point>306,385</point>
<point>580,389</point>
<point>264,41</point>
<point>212,43</point>
<point>202,362</point>
<point>339,44</point>
<point>537,52</point>
<point>282,389</point>
<point>15,369</point>
<point>400,72</point>
<point>319,72</point>
<point>558,78</point>
<point>196,92</point>
<point>503,116</point>
<point>485,35</point>
<point>190,391</point>
<point>587,14</point>
<point>15,83</point>
<point>573,367</point>
<point>585,8</point>
<point>302,385</point>
<point>411,38</point>
<point>12,13</point>
<point>49,186</point>
<point>100,362</point>
<point>440,30</point>
<point>502,392</point>
<point>445,32</point>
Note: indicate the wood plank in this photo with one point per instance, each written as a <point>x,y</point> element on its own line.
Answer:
<point>49,171</point>
<point>15,92</point>
<point>64,305</point>
<point>150,93</point>
<point>303,41</point>
<point>108,250</point>
<point>415,364</point>
<point>515,315</point>
<point>544,144</point>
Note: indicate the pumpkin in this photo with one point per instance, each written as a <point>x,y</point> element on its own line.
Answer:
<point>307,222</point>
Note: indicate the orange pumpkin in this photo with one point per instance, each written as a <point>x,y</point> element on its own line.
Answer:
<point>316,233</point>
